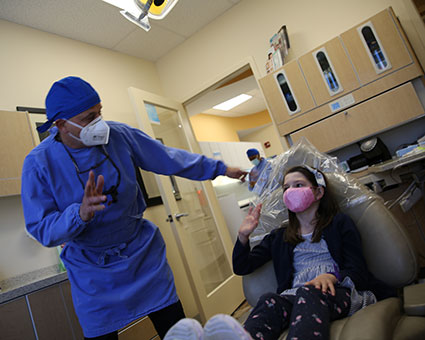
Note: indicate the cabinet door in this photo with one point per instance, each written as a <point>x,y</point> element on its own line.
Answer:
<point>69,305</point>
<point>376,47</point>
<point>329,72</point>
<point>381,113</point>
<point>15,321</point>
<point>49,314</point>
<point>15,143</point>
<point>287,93</point>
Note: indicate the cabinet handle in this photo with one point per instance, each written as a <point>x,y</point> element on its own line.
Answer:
<point>346,113</point>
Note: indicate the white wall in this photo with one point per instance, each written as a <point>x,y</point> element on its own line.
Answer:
<point>18,253</point>
<point>245,30</point>
<point>266,134</point>
<point>32,60</point>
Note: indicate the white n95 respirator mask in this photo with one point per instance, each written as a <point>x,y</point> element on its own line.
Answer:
<point>94,133</point>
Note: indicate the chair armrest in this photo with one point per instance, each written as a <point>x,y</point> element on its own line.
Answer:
<point>261,281</point>
<point>377,321</point>
<point>414,299</point>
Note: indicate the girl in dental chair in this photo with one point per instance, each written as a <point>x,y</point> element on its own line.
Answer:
<point>321,273</point>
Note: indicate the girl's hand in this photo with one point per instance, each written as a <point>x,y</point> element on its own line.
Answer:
<point>324,282</point>
<point>249,223</point>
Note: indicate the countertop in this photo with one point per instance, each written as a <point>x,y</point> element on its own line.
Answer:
<point>30,282</point>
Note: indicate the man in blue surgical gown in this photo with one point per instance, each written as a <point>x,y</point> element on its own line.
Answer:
<point>259,174</point>
<point>79,187</point>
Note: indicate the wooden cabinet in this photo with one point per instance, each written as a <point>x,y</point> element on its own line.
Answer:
<point>43,315</point>
<point>329,72</point>
<point>50,314</point>
<point>15,321</point>
<point>15,143</point>
<point>378,114</point>
<point>69,306</point>
<point>376,47</point>
<point>287,93</point>
<point>346,75</point>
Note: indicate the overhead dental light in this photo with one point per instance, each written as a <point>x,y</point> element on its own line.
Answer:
<point>138,11</point>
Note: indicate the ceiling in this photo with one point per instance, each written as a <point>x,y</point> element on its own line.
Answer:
<point>98,23</point>
<point>215,96</point>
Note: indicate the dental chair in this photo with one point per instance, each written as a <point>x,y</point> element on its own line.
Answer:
<point>388,251</point>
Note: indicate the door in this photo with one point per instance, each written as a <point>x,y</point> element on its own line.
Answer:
<point>193,211</point>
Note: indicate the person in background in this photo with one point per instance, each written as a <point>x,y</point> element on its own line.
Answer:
<point>320,269</point>
<point>260,164</point>
<point>79,187</point>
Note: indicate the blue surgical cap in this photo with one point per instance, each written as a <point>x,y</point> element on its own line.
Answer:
<point>67,98</point>
<point>252,152</point>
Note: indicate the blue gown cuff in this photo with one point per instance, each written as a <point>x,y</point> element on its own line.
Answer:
<point>77,216</point>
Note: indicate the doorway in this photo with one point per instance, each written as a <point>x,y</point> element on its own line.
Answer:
<point>228,134</point>
<point>191,211</point>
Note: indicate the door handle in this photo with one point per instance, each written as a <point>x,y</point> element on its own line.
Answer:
<point>178,216</point>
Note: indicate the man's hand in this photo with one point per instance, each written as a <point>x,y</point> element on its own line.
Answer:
<point>249,223</point>
<point>236,173</point>
<point>324,282</point>
<point>93,198</point>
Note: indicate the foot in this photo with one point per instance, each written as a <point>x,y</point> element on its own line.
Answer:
<point>224,327</point>
<point>185,329</point>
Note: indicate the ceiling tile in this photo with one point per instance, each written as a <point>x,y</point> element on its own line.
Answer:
<point>98,23</point>
<point>149,46</point>
<point>94,22</point>
<point>188,17</point>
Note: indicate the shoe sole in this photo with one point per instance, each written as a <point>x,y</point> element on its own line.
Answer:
<point>185,329</point>
<point>224,327</point>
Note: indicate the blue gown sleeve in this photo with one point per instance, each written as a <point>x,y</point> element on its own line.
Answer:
<point>151,155</point>
<point>43,219</point>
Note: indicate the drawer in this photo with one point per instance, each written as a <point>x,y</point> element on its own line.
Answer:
<point>378,114</point>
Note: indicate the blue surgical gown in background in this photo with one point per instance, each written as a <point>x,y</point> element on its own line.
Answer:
<point>255,175</point>
<point>116,262</point>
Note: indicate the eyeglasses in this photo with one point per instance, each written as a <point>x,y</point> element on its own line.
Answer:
<point>113,190</point>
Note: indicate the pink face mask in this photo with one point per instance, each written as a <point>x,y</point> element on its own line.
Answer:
<point>298,199</point>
